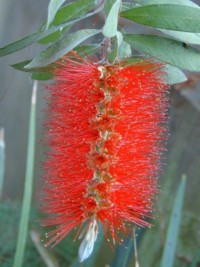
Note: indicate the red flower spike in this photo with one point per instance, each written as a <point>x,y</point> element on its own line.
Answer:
<point>105,134</point>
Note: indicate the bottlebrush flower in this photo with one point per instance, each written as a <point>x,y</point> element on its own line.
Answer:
<point>105,134</point>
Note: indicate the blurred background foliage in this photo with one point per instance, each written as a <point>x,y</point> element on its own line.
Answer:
<point>20,18</point>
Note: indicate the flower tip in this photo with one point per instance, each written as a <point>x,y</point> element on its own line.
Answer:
<point>87,245</point>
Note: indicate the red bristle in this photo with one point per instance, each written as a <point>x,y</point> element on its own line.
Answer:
<point>106,133</point>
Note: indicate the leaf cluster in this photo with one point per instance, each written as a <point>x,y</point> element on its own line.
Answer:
<point>175,26</point>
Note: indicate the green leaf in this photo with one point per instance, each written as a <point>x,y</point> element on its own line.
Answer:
<point>166,16</point>
<point>159,2</point>
<point>54,36</point>
<point>173,228</point>
<point>110,27</point>
<point>126,6</point>
<point>22,43</point>
<point>187,37</point>
<point>124,50</point>
<point>165,49</point>
<point>61,47</point>
<point>116,41</point>
<point>107,6</point>
<point>26,205</point>
<point>113,54</point>
<point>21,66</point>
<point>82,50</point>
<point>42,76</point>
<point>74,10</point>
<point>174,75</point>
<point>2,159</point>
<point>87,49</point>
<point>18,45</point>
<point>53,7</point>
<point>91,261</point>
<point>119,38</point>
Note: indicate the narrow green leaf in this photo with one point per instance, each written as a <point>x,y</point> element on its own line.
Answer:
<point>107,6</point>
<point>91,261</point>
<point>116,41</point>
<point>113,54</point>
<point>174,75</point>
<point>173,228</point>
<point>166,16</point>
<point>187,37</point>
<point>165,49</point>
<point>26,205</point>
<point>177,2</point>
<point>53,7</point>
<point>127,5</point>
<point>74,10</point>
<point>2,159</point>
<point>22,43</point>
<point>61,47</point>
<point>42,76</point>
<point>51,38</point>
<point>124,50</point>
<point>84,50</point>
<point>110,27</point>
<point>54,36</point>
<point>124,6</point>
<point>119,38</point>
<point>21,66</point>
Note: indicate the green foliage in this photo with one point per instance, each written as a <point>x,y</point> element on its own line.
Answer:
<point>110,27</point>
<point>2,159</point>
<point>166,16</point>
<point>70,17</point>
<point>179,20</point>
<point>74,10</point>
<point>54,36</point>
<point>9,217</point>
<point>167,50</point>
<point>107,6</point>
<point>173,228</point>
<point>41,76</point>
<point>26,206</point>
<point>174,75</point>
<point>177,2</point>
<point>53,7</point>
<point>61,47</point>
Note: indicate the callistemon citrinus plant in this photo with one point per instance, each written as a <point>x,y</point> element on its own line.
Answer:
<point>106,134</point>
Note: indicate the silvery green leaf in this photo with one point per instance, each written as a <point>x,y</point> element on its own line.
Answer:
<point>174,75</point>
<point>187,37</point>
<point>124,50</point>
<point>89,239</point>
<point>110,27</point>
